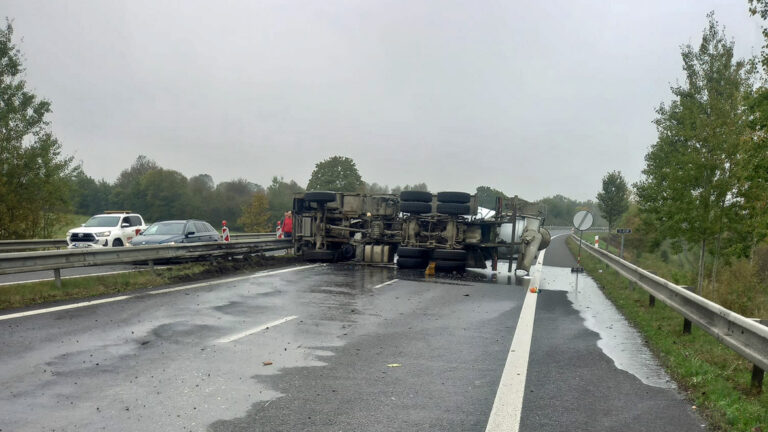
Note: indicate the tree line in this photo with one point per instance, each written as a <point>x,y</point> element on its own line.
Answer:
<point>705,181</point>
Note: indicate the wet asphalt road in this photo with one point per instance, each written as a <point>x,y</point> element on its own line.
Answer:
<point>165,361</point>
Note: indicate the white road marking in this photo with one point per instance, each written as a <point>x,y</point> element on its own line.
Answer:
<point>64,307</point>
<point>161,291</point>
<point>243,334</point>
<point>508,405</point>
<point>386,283</point>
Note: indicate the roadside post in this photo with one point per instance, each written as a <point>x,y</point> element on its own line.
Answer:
<point>224,231</point>
<point>623,231</point>
<point>582,221</point>
<point>597,241</point>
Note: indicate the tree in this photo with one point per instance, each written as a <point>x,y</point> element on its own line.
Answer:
<point>165,195</point>
<point>690,188</point>
<point>256,214</point>
<point>280,198</point>
<point>229,199</point>
<point>88,196</point>
<point>338,174</point>
<point>34,176</point>
<point>613,199</point>
<point>126,192</point>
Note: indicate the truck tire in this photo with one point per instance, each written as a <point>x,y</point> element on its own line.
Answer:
<point>415,207</point>
<point>117,243</point>
<point>412,263</point>
<point>412,252</point>
<point>320,196</point>
<point>459,255</point>
<point>453,209</point>
<point>453,197</point>
<point>450,266</point>
<point>319,255</point>
<point>416,196</point>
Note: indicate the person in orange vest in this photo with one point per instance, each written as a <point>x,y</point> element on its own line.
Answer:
<point>288,225</point>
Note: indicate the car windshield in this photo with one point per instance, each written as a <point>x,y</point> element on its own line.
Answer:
<point>165,228</point>
<point>102,221</point>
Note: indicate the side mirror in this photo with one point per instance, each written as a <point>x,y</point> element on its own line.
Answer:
<point>189,234</point>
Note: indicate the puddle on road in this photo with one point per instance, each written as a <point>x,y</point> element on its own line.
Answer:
<point>618,340</point>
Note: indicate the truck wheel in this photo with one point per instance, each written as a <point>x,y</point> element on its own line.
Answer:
<point>117,243</point>
<point>453,209</point>
<point>320,196</point>
<point>450,255</point>
<point>453,197</point>
<point>450,266</point>
<point>412,252</point>
<point>416,196</point>
<point>415,207</point>
<point>412,263</point>
<point>319,255</point>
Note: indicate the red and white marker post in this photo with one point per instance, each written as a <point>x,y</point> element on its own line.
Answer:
<point>224,231</point>
<point>597,241</point>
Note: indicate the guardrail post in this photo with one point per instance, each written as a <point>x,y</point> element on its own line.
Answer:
<point>686,322</point>
<point>57,277</point>
<point>651,300</point>
<point>757,378</point>
<point>151,266</point>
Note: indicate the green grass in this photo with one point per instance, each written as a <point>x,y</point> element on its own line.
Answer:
<point>27,294</point>
<point>715,378</point>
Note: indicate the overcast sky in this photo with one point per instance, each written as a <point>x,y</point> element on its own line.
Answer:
<point>532,98</point>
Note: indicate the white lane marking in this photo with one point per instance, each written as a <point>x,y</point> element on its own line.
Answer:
<point>386,283</point>
<point>64,307</point>
<point>243,334</point>
<point>508,405</point>
<point>125,297</point>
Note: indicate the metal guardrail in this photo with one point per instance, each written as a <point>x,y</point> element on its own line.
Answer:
<point>22,262</point>
<point>570,227</point>
<point>19,245</point>
<point>747,337</point>
<point>23,245</point>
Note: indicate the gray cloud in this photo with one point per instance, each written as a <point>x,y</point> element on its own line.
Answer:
<point>533,99</point>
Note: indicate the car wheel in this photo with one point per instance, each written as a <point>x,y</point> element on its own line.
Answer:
<point>412,263</point>
<point>117,243</point>
<point>450,255</point>
<point>453,197</point>
<point>453,209</point>
<point>415,207</point>
<point>416,196</point>
<point>412,252</point>
<point>320,196</point>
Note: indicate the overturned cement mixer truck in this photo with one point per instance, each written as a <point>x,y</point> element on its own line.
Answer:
<point>415,228</point>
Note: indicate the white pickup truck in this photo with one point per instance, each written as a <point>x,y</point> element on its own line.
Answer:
<point>110,229</point>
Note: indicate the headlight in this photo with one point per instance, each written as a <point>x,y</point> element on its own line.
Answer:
<point>171,243</point>
<point>103,234</point>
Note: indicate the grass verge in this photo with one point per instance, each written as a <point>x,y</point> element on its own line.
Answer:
<point>715,378</point>
<point>32,293</point>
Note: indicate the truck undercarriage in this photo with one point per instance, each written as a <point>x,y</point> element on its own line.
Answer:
<point>416,228</point>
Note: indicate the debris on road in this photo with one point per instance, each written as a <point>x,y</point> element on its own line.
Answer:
<point>267,363</point>
<point>394,365</point>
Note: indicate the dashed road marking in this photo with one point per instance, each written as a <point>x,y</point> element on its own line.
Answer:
<point>249,332</point>
<point>508,405</point>
<point>160,291</point>
<point>386,283</point>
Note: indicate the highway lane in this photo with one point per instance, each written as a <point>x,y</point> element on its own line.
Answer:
<point>351,348</point>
